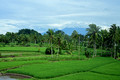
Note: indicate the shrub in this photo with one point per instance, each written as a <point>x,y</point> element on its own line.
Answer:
<point>69,52</point>
<point>40,44</point>
<point>0,55</point>
<point>2,44</point>
<point>106,54</point>
<point>87,53</point>
<point>60,51</point>
<point>12,44</point>
<point>38,49</point>
<point>48,51</point>
<point>27,45</point>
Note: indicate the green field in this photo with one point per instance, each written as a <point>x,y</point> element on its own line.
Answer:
<point>67,69</point>
<point>7,65</point>
<point>23,49</point>
<point>29,61</point>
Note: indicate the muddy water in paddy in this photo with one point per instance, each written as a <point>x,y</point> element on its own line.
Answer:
<point>7,78</point>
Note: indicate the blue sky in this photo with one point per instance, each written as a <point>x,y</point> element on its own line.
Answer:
<point>59,14</point>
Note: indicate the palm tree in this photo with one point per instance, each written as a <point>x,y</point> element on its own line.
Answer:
<point>75,37</point>
<point>104,39</point>
<point>79,46</point>
<point>93,32</point>
<point>59,38</point>
<point>50,32</point>
<point>114,34</point>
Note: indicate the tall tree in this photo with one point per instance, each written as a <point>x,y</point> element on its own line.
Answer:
<point>50,32</point>
<point>93,32</point>
<point>75,37</point>
<point>59,39</point>
<point>115,38</point>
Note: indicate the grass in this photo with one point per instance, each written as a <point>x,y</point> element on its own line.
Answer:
<point>110,69</point>
<point>57,69</point>
<point>63,67</point>
<point>6,65</point>
<point>44,57</point>
<point>86,76</point>
<point>23,49</point>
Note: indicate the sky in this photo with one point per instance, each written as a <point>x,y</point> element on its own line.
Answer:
<point>41,15</point>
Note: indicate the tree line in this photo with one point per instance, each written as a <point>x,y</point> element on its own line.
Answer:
<point>95,38</point>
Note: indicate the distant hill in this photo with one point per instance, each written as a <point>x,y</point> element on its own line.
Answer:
<point>79,30</point>
<point>70,30</point>
<point>28,31</point>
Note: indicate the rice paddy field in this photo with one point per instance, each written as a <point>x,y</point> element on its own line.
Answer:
<point>28,61</point>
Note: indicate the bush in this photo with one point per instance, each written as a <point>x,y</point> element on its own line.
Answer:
<point>38,49</point>
<point>0,55</point>
<point>48,51</point>
<point>12,44</point>
<point>87,53</point>
<point>68,52</point>
<point>60,51</point>
<point>27,45</point>
<point>2,44</point>
<point>40,44</point>
<point>106,54</point>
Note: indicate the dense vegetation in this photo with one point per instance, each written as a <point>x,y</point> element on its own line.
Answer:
<point>58,56</point>
<point>95,38</point>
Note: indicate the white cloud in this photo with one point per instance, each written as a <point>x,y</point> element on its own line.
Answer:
<point>43,14</point>
<point>105,28</point>
<point>7,25</point>
<point>7,28</point>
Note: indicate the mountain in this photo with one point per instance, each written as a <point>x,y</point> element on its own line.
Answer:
<point>79,30</point>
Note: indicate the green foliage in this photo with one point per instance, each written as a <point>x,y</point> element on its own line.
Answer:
<point>12,44</point>
<point>48,51</point>
<point>2,44</point>
<point>0,55</point>
<point>88,53</point>
<point>68,52</point>
<point>27,31</point>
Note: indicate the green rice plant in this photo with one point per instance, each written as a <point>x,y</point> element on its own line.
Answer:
<point>61,68</point>
<point>86,76</point>
<point>23,49</point>
<point>44,57</point>
<point>12,64</point>
<point>109,69</point>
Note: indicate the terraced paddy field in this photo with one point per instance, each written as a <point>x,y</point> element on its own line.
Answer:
<point>99,68</point>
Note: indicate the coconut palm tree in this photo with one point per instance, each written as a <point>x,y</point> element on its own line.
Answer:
<point>75,37</point>
<point>93,32</point>
<point>114,35</point>
<point>104,39</point>
<point>50,32</point>
<point>59,38</point>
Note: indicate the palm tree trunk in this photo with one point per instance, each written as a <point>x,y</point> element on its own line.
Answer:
<point>114,50</point>
<point>101,50</point>
<point>79,47</point>
<point>51,49</point>
<point>76,44</point>
<point>94,54</point>
<point>58,51</point>
<point>35,41</point>
<point>95,49</point>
